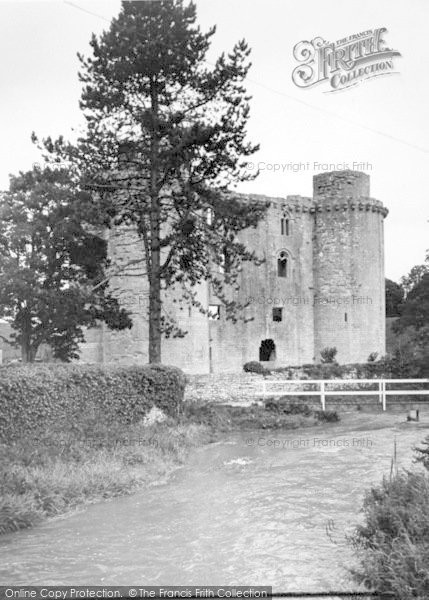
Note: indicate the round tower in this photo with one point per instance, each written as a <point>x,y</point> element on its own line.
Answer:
<point>348,262</point>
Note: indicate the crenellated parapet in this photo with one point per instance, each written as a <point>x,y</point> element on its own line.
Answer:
<point>328,201</point>
<point>362,204</point>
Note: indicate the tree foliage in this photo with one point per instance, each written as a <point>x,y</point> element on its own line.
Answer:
<point>50,262</point>
<point>414,277</point>
<point>394,298</point>
<point>165,145</point>
<point>415,312</point>
<point>414,320</point>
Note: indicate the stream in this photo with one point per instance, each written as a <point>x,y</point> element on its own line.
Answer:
<point>261,508</point>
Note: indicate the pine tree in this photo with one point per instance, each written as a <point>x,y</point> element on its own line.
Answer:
<point>165,145</point>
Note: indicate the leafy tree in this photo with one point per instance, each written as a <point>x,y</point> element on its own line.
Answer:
<point>164,145</point>
<point>394,298</point>
<point>414,277</point>
<point>413,324</point>
<point>50,263</point>
<point>415,312</point>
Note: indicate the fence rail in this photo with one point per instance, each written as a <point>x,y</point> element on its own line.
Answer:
<point>324,388</point>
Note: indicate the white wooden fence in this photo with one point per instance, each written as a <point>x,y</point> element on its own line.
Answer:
<point>324,388</point>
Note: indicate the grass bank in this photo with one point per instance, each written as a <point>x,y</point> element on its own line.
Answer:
<point>55,472</point>
<point>45,476</point>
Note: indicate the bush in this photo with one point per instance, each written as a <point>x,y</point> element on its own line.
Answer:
<point>394,541</point>
<point>327,416</point>
<point>423,454</point>
<point>328,355</point>
<point>254,367</point>
<point>284,405</point>
<point>34,397</point>
<point>393,544</point>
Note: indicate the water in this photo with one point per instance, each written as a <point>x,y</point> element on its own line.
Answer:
<point>240,512</point>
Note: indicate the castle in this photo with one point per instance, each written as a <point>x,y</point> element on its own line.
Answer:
<point>321,285</point>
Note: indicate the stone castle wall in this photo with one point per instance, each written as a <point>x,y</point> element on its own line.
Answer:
<point>333,294</point>
<point>349,312</point>
<point>233,345</point>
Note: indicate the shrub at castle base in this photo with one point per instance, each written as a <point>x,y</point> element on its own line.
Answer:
<point>33,398</point>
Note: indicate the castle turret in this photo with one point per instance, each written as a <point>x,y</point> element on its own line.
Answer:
<point>348,264</point>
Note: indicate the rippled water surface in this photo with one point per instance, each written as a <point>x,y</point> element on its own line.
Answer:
<point>241,511</point>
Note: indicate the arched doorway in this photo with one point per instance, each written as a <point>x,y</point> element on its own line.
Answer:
<point>267,350</point>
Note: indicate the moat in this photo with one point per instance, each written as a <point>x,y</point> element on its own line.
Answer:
<point>262,508</point>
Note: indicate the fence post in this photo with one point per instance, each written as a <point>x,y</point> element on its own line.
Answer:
<point>384,393</point>
<point>264,390</point>
<point>380,394</point>
<point>322,395</point>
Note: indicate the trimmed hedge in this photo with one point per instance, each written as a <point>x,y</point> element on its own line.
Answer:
<point>33,397</point>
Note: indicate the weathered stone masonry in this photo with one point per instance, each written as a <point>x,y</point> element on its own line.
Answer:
<point>322,284</point>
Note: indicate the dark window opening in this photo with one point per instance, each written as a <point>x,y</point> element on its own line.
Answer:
<point>277,314</point>
<point>267,350</point>
<point>282,265</point>
<point>345,317</point>
<point>214,312</point>
<point>284,226</point>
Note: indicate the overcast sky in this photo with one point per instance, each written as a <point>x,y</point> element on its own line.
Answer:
<point>382,122</point>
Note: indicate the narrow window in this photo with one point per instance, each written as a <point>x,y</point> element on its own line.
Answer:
<point>277,314</point>
<point>285,225</point>
<point>345,317</point>
<point>214,312</point>
<point>282,265</point>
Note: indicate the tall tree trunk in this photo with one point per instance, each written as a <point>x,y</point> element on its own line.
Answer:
<point>27,352</point>
<point>155,251</point>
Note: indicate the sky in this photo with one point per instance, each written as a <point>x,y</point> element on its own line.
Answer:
<point>382,122</point>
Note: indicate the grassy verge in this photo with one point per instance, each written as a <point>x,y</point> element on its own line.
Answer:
<point>274,414</point>
<point>49,474</point>
<point>46,476</point>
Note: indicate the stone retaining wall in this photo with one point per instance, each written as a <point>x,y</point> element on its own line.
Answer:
<point>245,388</point>
<point>224,387</point>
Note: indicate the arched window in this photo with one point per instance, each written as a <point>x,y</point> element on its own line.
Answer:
<point>267,350</point>
<point>282,264</point>
<point>285,224</point>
